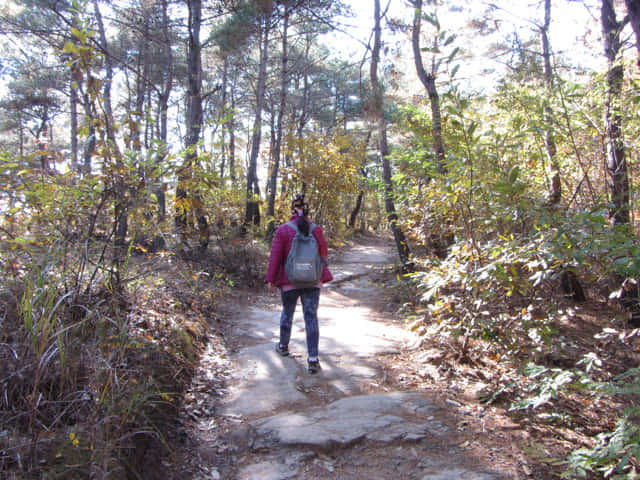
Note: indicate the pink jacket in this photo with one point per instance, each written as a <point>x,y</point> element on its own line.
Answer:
<point>280,251</point>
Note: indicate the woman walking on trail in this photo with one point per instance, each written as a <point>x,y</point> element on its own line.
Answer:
<point>309,296</point>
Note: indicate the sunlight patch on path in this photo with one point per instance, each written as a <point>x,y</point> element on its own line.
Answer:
<point>349,334</point>
<point>287,418</point>
<point>384,417</point>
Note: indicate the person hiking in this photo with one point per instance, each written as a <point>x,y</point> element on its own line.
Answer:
<point>298,225</point>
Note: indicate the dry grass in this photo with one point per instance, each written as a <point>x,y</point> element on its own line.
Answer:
<point>91,381</point>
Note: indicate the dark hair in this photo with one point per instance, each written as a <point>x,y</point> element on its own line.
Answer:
<point>300,202</point>
<point>303,225</point>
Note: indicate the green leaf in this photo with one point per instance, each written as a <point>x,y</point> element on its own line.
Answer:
<point>450,39</point>
<point>513,174</point>
<point>453,54</point>
<point>70,47</point>
<point>432,20</point>
<point>79,34</point>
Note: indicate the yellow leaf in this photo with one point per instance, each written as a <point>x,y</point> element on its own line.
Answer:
<point>70,47</point>
<point>415,325</point>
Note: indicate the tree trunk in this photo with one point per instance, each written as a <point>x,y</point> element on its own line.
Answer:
<point>194,111</point>
<point>73,103</point>
<point>193,120</point>
<point>232,140</point>
<point>306,89</point>
<point>356,210</point>
<point>42,130</point>
<point>616,162</point>
<point>284,80</point>
<point>272,146</point>
<point>252,214</point>
<point>429,82</point>
<point>224,111</point>
<point>163,109</point>
<point>90,146</point>
<point>119,188</point>
<point>633,7</point>
<point>555,192</point>
<point>142,74</point>
<point>392,216</point>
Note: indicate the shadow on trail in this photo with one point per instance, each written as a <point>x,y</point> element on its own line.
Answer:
<point>351,336</point>
<point>345,421</point>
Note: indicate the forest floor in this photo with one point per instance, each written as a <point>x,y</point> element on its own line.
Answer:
<point>381,408</point>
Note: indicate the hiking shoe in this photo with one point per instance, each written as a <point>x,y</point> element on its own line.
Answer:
<point>314,366</point>
<point>284,351</point>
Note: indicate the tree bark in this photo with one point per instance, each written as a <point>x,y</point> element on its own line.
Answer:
<point>252,213</point>
<point>306,88</point>
<point>633,7</point>
<point>555,192</point>
<point>392,216</point>
<point>429,82</point>
<point>356,209</point>
<point>284,81</point>
<point>223,114</point>
<point>163,109</point>
<point>232,140</point>
<point>193,120</point>
<point>615,151</point>
<point>142,73</point>
<point>90,146</point>
<point>73,103</point>
<point>119,187</point>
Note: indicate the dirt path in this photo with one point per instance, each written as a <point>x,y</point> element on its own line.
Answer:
<point>253,415</point>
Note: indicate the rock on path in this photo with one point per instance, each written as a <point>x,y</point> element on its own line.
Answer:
<point>380,417</point>
<point>339,423</point>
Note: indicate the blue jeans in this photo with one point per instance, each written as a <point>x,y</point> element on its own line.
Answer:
<point>310,298</point>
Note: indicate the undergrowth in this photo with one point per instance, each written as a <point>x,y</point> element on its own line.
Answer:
<point>507,302</point>
<point>92,380</point>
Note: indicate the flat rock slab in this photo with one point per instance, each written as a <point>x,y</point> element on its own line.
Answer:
<point>264,382</point>
<point>382,417</point>
<point>267,471</point>
<point>459,474</point>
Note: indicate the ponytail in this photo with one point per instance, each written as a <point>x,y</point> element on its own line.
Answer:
<point>300,206</point>
<point>303,225</point>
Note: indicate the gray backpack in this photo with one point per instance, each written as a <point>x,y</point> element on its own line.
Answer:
<point>304,263</point>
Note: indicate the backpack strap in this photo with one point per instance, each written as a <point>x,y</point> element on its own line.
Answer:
<point>295,227</point>
<point>292,225</point>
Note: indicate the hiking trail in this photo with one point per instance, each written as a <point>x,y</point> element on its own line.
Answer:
<point>254,415</point>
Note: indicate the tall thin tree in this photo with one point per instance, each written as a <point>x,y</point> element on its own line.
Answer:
<point>252,212</point>
<point>284,80</point>
<point>555,192</point>
<point>163,104</point>
<point>616,163</point>
<point>429,82</point>
<point>633,7</point>
<point>383,145</point>
<point>193,119</point>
